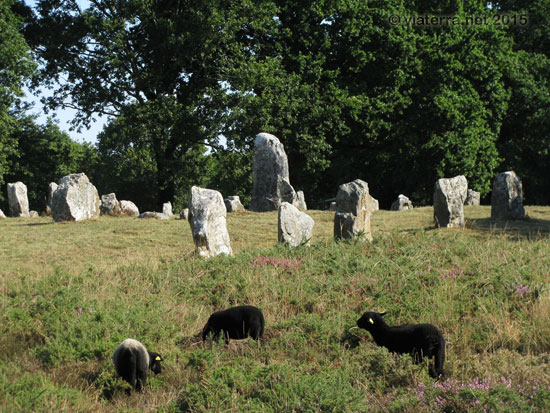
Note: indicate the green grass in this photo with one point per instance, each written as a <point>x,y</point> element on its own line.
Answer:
<point>72,292</point>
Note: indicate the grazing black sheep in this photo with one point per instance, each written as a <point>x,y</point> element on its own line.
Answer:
<point>132,360</point>
<point>419,340</point>
<point>236,323</point>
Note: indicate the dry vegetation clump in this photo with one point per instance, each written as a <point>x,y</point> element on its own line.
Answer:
<point>72,292</point>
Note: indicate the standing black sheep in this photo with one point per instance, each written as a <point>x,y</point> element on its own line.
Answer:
<point>236,323</point>
<point>419,340</point>
<point>132,360</point>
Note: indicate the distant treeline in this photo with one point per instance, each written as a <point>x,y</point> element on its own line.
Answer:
<point>353,89</point>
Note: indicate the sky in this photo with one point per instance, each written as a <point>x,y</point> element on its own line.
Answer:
<point>64,116</point>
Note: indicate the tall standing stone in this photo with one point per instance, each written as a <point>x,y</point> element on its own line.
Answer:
<point>473,198</point>
<point>75,199</point>
<point>295,227</point>
<point>167,209</point>
<point>18,200</point>
<point>207,220</point>
<point>507,197</point>
<point>301,201</point>
<point>449,197</point>
<point>51,189</point>
<point>2,214</point>
<point>270,174</point>
<point>354,207</point>
<point>110,205</point>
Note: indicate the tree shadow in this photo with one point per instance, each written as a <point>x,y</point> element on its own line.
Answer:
<point>525,229</point>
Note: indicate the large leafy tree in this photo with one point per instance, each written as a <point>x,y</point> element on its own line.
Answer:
<point>16,66</point>
<point>156,65</point>
<point>352,96</point>
<point>44,154</point>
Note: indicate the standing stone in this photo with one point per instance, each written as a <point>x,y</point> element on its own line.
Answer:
<point>17,199</point>
<point>332,206</point>
<point>402,203</point>
<point>75,199</point>
<point>507,197</point>
<point>110,205</point>
<point>184,214</point>
<point>2,214</point>
<point>51,189</point>
<point>233,204</point>
<point>271,184</point>
<point>33,214</point>
<point>473,198</point>
<point>301,201</point>
<point>129,208</point>
<point>354,207</point>
<point>207,220</point>
<point>295,227</point>
<point>449,197</point>
<point>376,205</point>
<point>167,209</point>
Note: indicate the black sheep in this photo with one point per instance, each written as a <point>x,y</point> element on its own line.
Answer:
<point>419,340</point>
<point>236,323</point>
<point>132,361</point>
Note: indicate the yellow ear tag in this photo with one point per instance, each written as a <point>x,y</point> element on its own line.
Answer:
<point>370,321</point>
<point>158,358</point>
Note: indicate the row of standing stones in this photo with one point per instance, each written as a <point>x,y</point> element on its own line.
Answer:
<point>75,198</point>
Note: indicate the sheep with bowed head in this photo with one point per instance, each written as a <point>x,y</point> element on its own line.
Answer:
<point>132,361</point>
<point>235,323</point>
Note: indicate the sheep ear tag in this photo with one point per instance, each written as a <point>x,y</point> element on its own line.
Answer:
<point>371,321</point>
<point>157,358</point>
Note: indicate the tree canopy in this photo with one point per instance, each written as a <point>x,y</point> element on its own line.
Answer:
<point>187,85</point>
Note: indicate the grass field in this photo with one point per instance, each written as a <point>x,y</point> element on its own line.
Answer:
<point>71,292</point>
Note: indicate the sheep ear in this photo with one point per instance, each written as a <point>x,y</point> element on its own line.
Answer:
<point>384,313</point>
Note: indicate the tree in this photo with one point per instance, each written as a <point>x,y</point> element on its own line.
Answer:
<point>158,64</point>
<point>16,66</point>
<point>44,154</point>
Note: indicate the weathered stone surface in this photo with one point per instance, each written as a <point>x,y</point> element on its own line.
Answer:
<point>154,215</point>
<point>33,214</point>
<point>376,205</point>
<point>354,207</point>
<point>233,204</point>
<point>167,209</point>
<point>129,208</point>
<point>184,213</point>
<point>295,227</point>
<point>110,205</point>
<point>18,200</point>
<point>75,199</point>
<point>2,215</point>
<point>449,197</point>
<point>207,220</point>
<point>301,201</point>
<point>402,203</point>
<point>51,189</point>
<point>473,198</point>
<point>270,171</point>
<point>507,197</point>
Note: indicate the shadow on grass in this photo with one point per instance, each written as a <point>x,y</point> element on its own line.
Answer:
<point>526,229</point>
<point>36,224</point>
